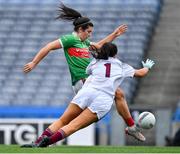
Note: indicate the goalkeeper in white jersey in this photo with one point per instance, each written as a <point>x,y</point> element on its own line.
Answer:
<point>96,97</point>
<point>106,73</point>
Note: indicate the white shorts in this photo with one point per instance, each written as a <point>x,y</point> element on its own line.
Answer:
<point>79,84</point>
<point>96,101</point>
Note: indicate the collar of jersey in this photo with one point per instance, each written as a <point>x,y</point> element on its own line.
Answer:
<point>75,34</point>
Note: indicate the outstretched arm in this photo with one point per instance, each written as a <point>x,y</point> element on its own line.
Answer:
<point>141,72</point>
<point>117,32</point>
<point>40,55</point>
<point>146,67</point>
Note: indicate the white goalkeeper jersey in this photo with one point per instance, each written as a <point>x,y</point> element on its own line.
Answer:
<point>107,75</point>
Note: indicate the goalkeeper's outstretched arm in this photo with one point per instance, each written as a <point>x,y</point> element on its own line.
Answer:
<point>146,67</point>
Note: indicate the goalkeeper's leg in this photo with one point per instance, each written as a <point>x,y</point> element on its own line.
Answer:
<point>123,110</point>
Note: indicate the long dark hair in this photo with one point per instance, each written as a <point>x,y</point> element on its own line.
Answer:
<point>69,14</point>
<point>107,50</point>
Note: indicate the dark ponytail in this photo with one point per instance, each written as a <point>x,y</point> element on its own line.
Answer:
<point>69,14</point>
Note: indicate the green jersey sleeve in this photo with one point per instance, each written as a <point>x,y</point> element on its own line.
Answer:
<point>67,41</point>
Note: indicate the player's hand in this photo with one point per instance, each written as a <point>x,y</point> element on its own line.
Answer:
<point>28,67</point>
<point>94,46</point>
<point>148,64</point>
<point>120,30</point>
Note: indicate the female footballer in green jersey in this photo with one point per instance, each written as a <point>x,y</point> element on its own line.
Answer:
<point>77,52</point>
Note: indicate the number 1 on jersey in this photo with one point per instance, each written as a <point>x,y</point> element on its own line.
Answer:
<point>108,69</point>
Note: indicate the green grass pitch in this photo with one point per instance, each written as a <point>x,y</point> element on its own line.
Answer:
<point>90,149</point>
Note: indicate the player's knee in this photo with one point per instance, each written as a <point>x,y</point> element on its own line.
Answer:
<point>119,94</point>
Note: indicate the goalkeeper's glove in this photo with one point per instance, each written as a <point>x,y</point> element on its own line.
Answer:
<point>148,64</point>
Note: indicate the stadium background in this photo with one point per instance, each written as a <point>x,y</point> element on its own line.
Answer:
<point>29,102</point>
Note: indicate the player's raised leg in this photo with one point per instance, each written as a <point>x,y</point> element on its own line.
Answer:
<point>71,112</point>
<point>123,110</point>
<point>83,120</point>
<point>122,107</point>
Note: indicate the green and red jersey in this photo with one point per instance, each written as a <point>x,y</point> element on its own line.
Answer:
<point>77,55</point>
